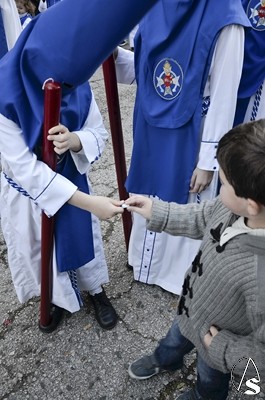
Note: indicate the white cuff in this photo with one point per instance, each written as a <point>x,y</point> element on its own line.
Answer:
<point>207,156</point>
<point>55,195</point>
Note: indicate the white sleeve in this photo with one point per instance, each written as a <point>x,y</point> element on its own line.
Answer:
<point>222,85</point>
<point>125,66</point>
<point>47,189</point>
<point>11,21</point>
<point>93,137</point>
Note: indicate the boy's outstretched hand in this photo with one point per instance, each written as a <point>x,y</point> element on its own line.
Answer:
<point>141,205</point>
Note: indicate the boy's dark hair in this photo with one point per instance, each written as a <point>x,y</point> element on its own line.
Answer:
<point>241,155</point>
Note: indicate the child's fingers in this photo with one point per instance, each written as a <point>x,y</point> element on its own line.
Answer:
<point>135,200</point>
<point>60,146</point>
<point>57,129</point>
<point>119,210</point>
<point>134,204</point>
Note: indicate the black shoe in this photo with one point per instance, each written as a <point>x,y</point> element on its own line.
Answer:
<point>57,314</point>
<point>144,368</point>
<point>130,267</point>
<point>105,313</point>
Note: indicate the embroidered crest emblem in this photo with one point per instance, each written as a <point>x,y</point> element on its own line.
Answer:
<point>256,14</point>
<point>168,78</point>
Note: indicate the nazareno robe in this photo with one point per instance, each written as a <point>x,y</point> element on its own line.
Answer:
<point>253,73</point>
<point>69,57</point>
<point>173,50</point>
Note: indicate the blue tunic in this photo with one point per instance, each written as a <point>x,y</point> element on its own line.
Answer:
<point>173,51</point>
<point>22,93</point>
<point>253,73</point>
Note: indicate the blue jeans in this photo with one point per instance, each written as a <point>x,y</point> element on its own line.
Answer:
<point>211,383</point>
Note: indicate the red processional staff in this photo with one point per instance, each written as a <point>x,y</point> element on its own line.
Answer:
<point>52,106</point>
<point>112,96</point>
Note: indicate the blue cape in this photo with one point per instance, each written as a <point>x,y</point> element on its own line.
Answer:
<point>253,73</point>
<point>184,34</point>
<point>173,53</point>
<point>69,54</point>
<point>22,101</point>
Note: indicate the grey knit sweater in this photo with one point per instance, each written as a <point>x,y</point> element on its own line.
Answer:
<point>224,287</point>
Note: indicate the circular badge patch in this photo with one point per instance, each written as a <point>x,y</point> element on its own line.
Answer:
<point>168,78</point>
<point>256,14</point>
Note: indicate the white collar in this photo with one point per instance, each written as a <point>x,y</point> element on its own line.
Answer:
<point>238,228</point>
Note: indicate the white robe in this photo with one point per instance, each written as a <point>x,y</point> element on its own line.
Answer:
<point>11,21</point>
<point>21,217</point>
<point>158,258</point>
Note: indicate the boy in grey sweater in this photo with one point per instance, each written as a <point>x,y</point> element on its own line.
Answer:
<point>221,311</point>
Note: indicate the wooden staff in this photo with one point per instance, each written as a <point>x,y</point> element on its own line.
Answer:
<point>52,104</point>
<point>112,96</point>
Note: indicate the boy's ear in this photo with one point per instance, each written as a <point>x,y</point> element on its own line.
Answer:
<point>254,208</point>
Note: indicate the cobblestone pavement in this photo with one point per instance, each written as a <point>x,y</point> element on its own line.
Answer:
<point>80,361</point>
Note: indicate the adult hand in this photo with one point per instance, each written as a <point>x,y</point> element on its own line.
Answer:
<point>200,180</point>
